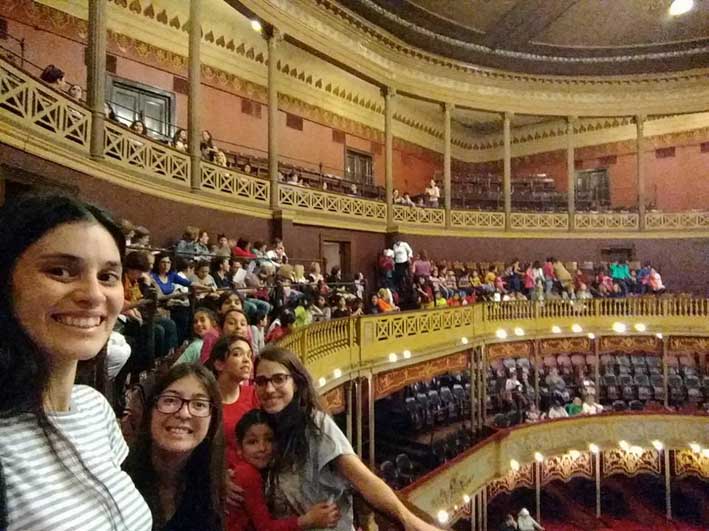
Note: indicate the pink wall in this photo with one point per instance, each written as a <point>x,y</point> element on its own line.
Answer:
<point>676,183</point>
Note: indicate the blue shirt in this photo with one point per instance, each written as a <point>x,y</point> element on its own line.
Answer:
<point>172,278</point>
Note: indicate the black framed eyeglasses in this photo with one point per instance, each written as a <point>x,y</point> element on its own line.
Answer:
<point>198,407</point>
<point>278,380</point>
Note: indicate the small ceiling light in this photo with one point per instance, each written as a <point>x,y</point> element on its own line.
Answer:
<point>576,328</point>
<point>501,333</point>
<point>407,354</point>
<point>322,381</point>
<point>640,327</point>
<point>591,335</point>
<point>594,448</point>
<point>393,357</point>
<point>658,445</point>
<point>514,464</point>
<point>680,7</point>
<point>519,331</point>
<point>442,517</point>
<point>466,498</point>
<point>705,452</point>
<point>556,329</point>
<point>624,445</point>
<point>619,327</point>
<point>574,454</point>
<point>337,373</point>
<point>695,448</point>
<point>464,340</point>
<point>637,450</point>
<point>256,25</point>
<point>658,335</point>
<point>538,457</point>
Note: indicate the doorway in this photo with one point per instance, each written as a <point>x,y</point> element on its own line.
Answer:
<point>336,253</point>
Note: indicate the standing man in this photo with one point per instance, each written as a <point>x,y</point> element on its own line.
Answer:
<point>402,261</point>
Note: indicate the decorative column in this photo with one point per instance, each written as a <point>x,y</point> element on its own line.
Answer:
<point>507,159</point>
<point>640,166</point>
<point>194,107</point>
<point>370,404</point>
<point>668,484</point>
<point>358,394</point>
<point>665,371</point>
<point>447,138</point>
<point>571,169</point>
<point>348,420</point>
<point>537,364</point>
<point>597,470</point>
<point>389,96</point>
<point>482,387</point>
<point>273,39</point>
<point>538,489</point>
<point>597,363</point>
<point>96,75</point>
<point>473,387</point>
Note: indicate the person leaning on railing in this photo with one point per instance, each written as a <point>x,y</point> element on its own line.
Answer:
<point>315,461</point>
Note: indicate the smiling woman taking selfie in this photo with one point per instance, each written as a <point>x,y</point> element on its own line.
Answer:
<point>60,294</point>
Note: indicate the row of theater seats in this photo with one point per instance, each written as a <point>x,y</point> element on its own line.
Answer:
<point>402,470</point>
<point>437,402</point>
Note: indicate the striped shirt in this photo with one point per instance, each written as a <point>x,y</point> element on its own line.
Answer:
<point>43,495</point>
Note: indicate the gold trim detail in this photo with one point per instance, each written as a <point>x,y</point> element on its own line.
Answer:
<point>435,217</point>
<point>539,221</point>
<point>618,461</point>
<point>388,382</point>
<point>566,466</point>
<point>524,477</point>
<point>689,463</point>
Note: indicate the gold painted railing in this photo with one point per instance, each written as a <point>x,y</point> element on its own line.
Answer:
<point>367,342</point>
<point>408,215</point>
<point>43,121</point>
<point>317,201</point>
<point>136,152</point>
<point>36,107</point>
<point>477,220</point>
<point>606,220</point>
<point>237,185</point>
<point>539,221</point>
<point>676,220</point>
<point>445,487</point>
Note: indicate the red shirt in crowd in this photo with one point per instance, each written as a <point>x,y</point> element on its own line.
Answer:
<point>247,401</point>
<point>254,513</point>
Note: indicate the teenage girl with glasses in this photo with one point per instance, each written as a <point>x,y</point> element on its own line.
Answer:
<point>315,462</point>
<point>177,462</point>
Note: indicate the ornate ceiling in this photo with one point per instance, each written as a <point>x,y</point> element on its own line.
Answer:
<point>566,37</point>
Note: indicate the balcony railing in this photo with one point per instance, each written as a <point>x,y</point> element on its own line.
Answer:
<point>369,341</point>
<point>487,465</point>
<point>40,120</point>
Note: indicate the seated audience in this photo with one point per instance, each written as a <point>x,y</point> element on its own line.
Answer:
<point>204,322</point>
<point>53,77</point>
<point>179,140</point>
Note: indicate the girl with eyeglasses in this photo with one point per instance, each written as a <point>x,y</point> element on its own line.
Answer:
<point>177,462</point>
<point>60,295</point>
<point>315,461</point>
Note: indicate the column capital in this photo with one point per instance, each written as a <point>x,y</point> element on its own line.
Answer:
<point>447,106</point>
<point>388,92</point>
<point>572,119</point>
<point>273,35</point>
<point>640,118</point>
<point>508,115</point>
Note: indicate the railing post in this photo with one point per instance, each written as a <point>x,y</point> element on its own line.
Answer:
<point>273,40</point>
<point>194,106</point>
<point>96,75</point>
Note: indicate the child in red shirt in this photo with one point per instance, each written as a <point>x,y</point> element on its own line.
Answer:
<point>254,437</point>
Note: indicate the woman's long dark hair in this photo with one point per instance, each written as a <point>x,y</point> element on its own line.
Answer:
<point>205,468</point>
<point>294,420</point>
<point>24,367</point>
